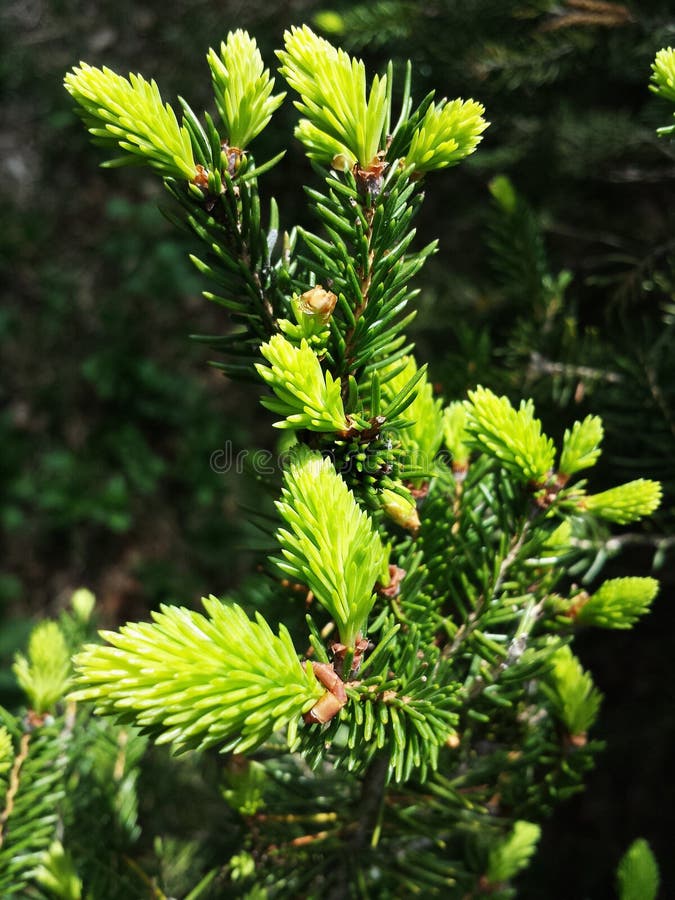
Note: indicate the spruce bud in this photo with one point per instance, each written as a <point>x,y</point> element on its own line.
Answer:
<point>401,510</point>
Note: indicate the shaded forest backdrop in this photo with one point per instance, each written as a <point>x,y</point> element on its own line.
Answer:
<point>554,279</point>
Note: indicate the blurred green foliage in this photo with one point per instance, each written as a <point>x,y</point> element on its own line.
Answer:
<point>108,413</point>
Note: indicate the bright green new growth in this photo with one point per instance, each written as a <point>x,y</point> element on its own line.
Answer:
<point>449,131</point>
<point>559,538</point>
<point>514,853</point>
<point>454,433</point>
<point>343,120</point>
<point>44,675</point>
<point>663,80</point>
<point>6,756</point>
<point>581,445</point>
<point>305,396</point>
<point>242,88</point>
<point>244,787</point>
<point>504,193</point>
<point>573,696</point>
<point>663,74</point>
<point>638,873</point>
<point>513,436</point>
<point>618,603</point>
<point>423,433</point>
<point>197,680</point>
<point>130,114</point>
<point>82,602</point>
<point>242,867</point>
<point>626,503</point>
<point>331,544</point>
<point>56,874</point>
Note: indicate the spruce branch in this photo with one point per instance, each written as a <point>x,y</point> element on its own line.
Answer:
<point>242,88</point>
<point>581,446</point>
<point>130,114</point>
<point>44,674</point>
<point>6,759</point>
<point>330,544</point>
<point>574,698</point>
<point>514,853</point>
<point>368,264</point>
<point>56,874</point>
<point>638,875</point>
<point>454,435</point>
<point>618,603</point>
<point>445,712</point>
<point>626,503</point>
<point>404,707</point>
<point>344,123</point>
<point>663,74</point>
<point>448,132</point>
<point>13,783</point>
<point>514,437</point>
<point>421,422</point>
<point>663,81</point>
<point>196,681</point>
<point>305,395</point>
<point>31,810</point>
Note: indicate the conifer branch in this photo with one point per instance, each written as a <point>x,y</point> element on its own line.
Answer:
<point>438,698</point>
<point>13,786</point>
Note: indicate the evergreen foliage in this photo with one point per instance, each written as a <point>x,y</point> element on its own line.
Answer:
<point>45,673</point>
<point>627,502</point>
<point>514,853</point>
<point>199,681</point>
<point>574,698</point>
<point>242,88</point>
<point>438,710</point>
<point>445,135</point>
<point>306,396</point>
<point>331,546</point>
<point>576,314</point>
<point>617,603</point>
<point>581,445</point>
<point>638,873</point>
<point>345,123</point>
<point>512,436</point>
<point>130,114</point>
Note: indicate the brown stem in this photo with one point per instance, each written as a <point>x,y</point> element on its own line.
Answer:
<point>14,780</point>
<point>539,365</point>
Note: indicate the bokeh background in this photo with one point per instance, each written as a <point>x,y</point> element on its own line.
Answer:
<point>110,414</point>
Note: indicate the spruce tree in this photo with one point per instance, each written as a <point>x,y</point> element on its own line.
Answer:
<point>395,704</point>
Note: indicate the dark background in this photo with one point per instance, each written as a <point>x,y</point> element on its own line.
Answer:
<point>109,414</point>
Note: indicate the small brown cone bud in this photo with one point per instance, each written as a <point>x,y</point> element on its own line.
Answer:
<point>201,178</point>
<point>393,589</point>
<point>318,302</point>
<point>340,163</point>
<point>332,701</point>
